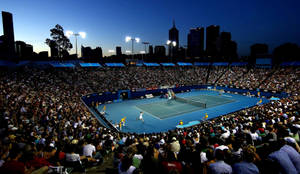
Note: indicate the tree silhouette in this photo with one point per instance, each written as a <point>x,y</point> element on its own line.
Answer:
<point>59,40</point>
<point>286,52</point>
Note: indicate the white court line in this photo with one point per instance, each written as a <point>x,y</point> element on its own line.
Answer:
<point>147,113</point>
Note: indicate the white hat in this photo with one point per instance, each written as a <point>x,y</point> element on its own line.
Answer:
<point>161,142</point>
<point>290,140</point>
<point>222,147</point>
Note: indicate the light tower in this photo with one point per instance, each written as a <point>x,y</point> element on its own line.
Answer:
<point>81,34</point>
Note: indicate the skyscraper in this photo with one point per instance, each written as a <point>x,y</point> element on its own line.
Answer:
<point>150,50</point>
<point>224,44</point>
<point>8,31</point>
<point>212,35</point>
<point>119,51</point>
<point>173,36</point>
<point>20,48</point>
<point>160,51</point>
<point>196,42</point>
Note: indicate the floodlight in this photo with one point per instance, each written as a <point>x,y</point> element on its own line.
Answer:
<point>82,34</point>
<point>69,33</point>
<point>174,43</point>
<point>137,40</point>
<point>127,38</point>
<point>168,42</point>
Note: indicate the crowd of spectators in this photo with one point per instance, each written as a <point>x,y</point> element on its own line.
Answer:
<point>253,78</point>
<point>283,79</point>
<point>43,123</point>
<point>215,73</point>
<point>232,75</point>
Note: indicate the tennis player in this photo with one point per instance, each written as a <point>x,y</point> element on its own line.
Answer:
<point>141,116</point>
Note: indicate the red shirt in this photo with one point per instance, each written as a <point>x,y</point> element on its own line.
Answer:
<point>13,167</point>
<point>174,165</point>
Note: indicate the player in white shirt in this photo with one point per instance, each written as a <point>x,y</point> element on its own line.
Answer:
<point>141,116</point>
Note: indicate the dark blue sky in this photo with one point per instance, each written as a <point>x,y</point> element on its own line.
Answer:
<point>107,22</point>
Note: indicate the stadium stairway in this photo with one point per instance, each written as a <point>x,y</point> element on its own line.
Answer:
<point>208,73</point>
<point>267,77</point>
<point>220,76</point>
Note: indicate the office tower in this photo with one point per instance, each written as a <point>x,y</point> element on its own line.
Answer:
<point>2,46</point>
<point>119,51</point>
<point>160,51</point>
<point>86,52</point>
<point>23,50</point>
<point>173,37</point>
<point>212,35</point>
<point>28,51</point>
<point>97,53</point>
<point>91,54</point>
<point>8,31</point>
<point>150,50</point>
<point>43,54</point>
<point>224,44</point>
<point>196,42</point>
<point>259,50</point>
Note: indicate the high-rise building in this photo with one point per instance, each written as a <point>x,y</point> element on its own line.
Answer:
<point>8,31</point>
<point>97,53</point>
<point>119,51</point>
<point>259,50</point>
<point>160,51</point>
<point>2,46</point>
<point>196,42</point>
<point>224,44</point>
<point>212,35</point>
<point>43,54</point>
<point>150,50</point>
<point>91,54</point>
<point>28,51</point>
<point>23,50</point>
<point>20,48</point>
<point>86,52</point>
<point>173,37</point>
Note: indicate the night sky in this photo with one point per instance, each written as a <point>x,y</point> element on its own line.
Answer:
<point>107,22</point>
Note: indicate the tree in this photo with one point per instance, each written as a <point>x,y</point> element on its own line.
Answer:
<point>59,40</point>
<point>286,52</point>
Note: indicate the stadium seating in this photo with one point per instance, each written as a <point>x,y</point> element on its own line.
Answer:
<point>42,115</point>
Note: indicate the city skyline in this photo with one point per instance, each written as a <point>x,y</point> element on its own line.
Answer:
<point>107,23</point>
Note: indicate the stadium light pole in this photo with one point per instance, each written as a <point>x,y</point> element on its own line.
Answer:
<point>171,44</point>
<point>132,39</point>
<point>143,54</point>
<point>81,34</point>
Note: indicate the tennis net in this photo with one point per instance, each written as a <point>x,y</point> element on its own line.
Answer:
<point>195,103</point>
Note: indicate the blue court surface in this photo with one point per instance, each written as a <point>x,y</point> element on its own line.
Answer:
<point>161,115</point>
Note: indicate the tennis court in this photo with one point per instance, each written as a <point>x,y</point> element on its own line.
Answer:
<point>171,108</point>
<point>162,115</point>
